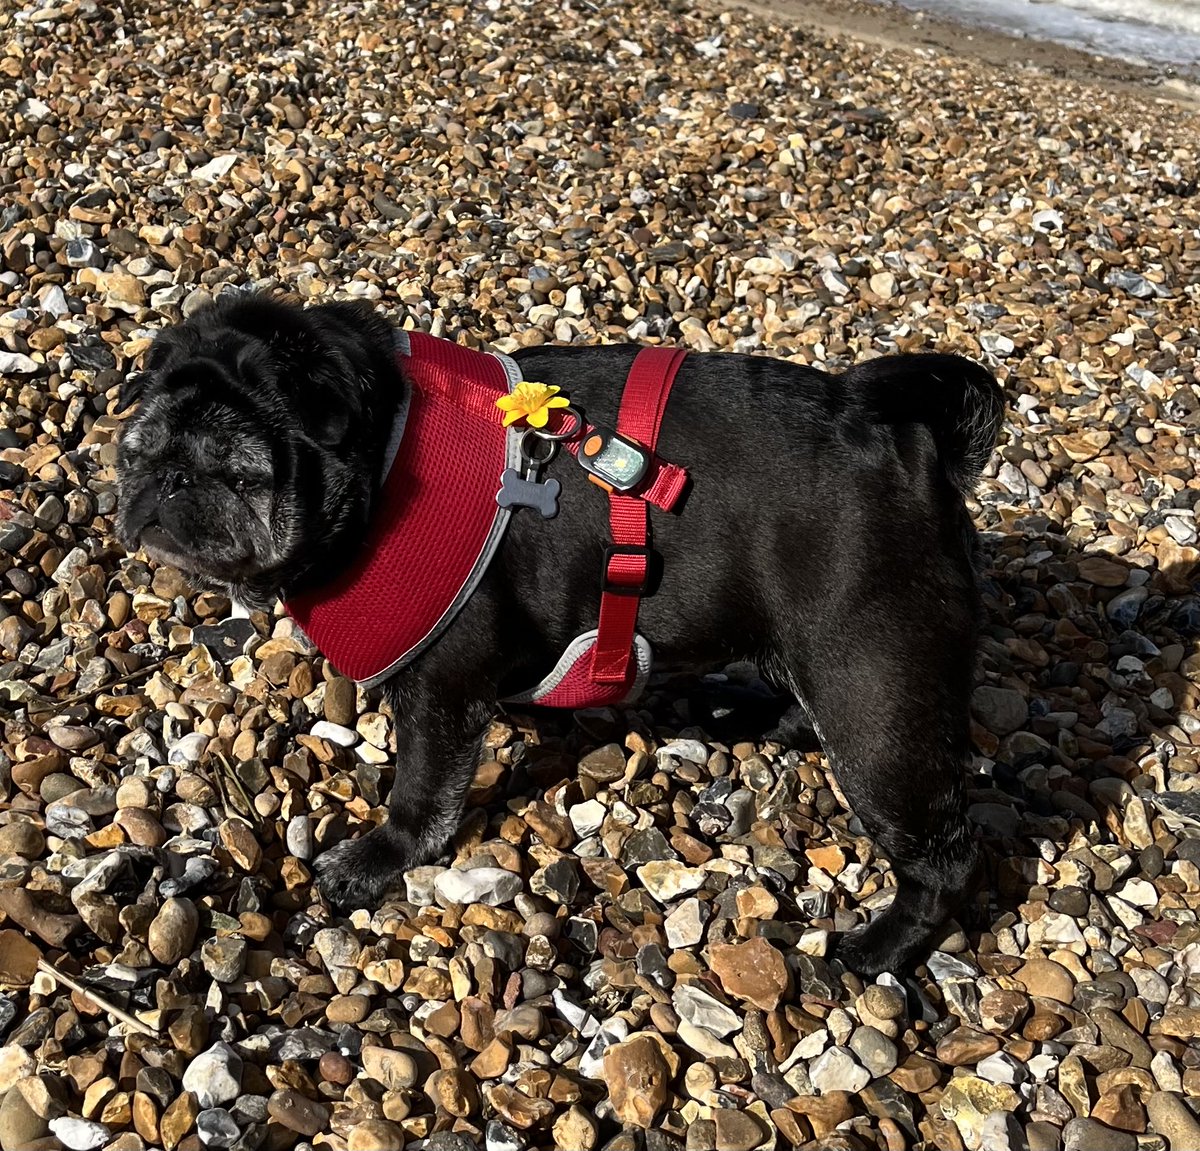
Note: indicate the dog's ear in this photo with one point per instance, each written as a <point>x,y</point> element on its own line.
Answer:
<point>331,400</point>
<point>331,354</point>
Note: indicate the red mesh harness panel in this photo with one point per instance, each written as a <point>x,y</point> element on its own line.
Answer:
<point>437,525</point>
<point>434,516</point>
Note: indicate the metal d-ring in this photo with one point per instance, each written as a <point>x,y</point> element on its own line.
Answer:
<point>569,433</point>
<point>527,443</point>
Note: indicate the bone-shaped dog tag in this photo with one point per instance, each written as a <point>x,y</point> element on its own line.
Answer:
<point>518,492</point>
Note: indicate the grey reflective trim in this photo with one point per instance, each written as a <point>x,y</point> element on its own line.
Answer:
<point>491,545</point>
<point>401,418</point>
<point>510,368</point>
<point>576,650</point>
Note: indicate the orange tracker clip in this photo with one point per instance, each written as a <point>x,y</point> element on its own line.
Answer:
<point>612,461</point>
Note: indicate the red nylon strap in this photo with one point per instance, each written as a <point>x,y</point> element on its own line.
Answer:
<point>643,404</point>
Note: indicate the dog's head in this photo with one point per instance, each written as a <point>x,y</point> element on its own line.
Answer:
<point>250,454</point>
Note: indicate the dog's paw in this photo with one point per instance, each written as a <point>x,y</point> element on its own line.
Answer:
<point>870,952</point>
<point>361,872</point>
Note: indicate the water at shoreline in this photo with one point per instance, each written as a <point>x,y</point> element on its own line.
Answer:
<point>1163,33</point>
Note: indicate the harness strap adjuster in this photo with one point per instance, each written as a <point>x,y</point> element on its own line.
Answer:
<point>629,580</point>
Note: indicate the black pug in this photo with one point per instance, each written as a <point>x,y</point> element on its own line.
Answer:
<point>824,536</point>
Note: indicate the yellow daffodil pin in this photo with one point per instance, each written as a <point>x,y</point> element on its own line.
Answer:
<point>531,402</point>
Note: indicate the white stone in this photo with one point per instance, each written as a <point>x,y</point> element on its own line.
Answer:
<point>490,885</point>
<point>15,1064</point>
<point>1000,1067</point>
<point>16,364</point>
<point>837,1070</point>
<point>334,732</point>
<point>79,1134</point>
<point>667,879</point>
<point>704,1042</point>
<point>691,749</point>
<point>1054,927</point>
<point>812,1045</point>
<point>587,817</point>
<point>685,925</point>
<point>54,301</point>
<point>214,1076</point>
<point>1139,892</point>
<point>188,748</point>
<point>703,1010</point>
<point>211,172</point>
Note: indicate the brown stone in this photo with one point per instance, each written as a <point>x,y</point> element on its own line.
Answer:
<point>454,1091</point>
<point>518,1108</point>
<point>298,1113</point>
<point>18,958</point>
<point>334,1067</point>
<point>1119,1108</point>
<point>1102,572</point>
<point>396,1070</point>
<point>340,701</point>
<point>173,931</point>
<point>54,928</point>
<point>237,837</point>
<point>493,1060</point>
<point>375,1135</point>
<point>638,1073</point>
<point>916,1074</point>
<point>1046,978</point>
<point>753,971</point>
<point>575,1129</point>
<point>1000,1011</point>
<point>824,1112</point>
<point>178,1119</point>
<point>1180,1022</point>
<point>965,1045</point>
<point>737,1130</point>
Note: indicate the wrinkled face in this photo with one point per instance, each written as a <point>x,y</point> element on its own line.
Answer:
<point>198,477</point>
<point>249,457</point>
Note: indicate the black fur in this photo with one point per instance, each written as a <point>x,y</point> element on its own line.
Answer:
<point>825,536</point>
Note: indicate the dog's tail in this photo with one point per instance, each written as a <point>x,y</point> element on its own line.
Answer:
<point>958,400</point>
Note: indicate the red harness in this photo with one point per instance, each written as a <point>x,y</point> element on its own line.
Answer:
<point>437,526</point>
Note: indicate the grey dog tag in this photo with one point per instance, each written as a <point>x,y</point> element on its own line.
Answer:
<point>518,492</point>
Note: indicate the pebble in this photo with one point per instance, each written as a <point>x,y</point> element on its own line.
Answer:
<point>79,1134</point>
<point>1171,1118</point>
<point>637,1072</point>
<point>20,1124</point>
<point>836,1070</point>
<point>173,931</point>
<point>492,886</point>
<point>214,1077</point>
<point>396,1070</point>
<point>297,1113</point>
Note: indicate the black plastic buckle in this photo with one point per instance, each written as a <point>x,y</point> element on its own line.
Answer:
<point>643,586</point>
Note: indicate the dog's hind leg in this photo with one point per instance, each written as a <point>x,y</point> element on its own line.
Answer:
<point>886,679</point>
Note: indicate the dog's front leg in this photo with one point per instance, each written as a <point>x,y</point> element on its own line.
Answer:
<point>439,725</point>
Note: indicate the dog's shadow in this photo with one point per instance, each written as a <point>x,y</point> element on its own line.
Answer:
<point>1101,646</point>
<point>1081,735</point>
